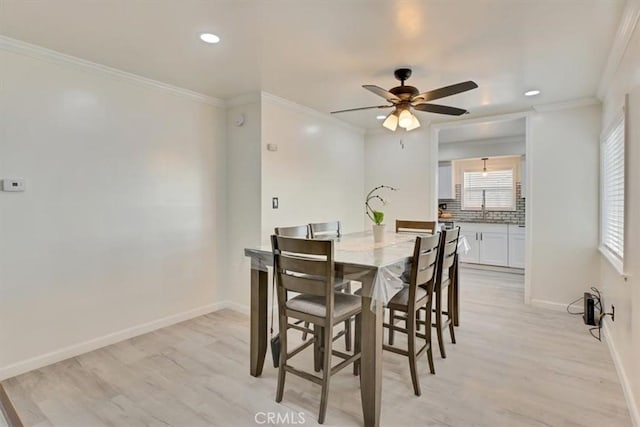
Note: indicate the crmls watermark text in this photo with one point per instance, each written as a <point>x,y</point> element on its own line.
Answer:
<point>276,418</point>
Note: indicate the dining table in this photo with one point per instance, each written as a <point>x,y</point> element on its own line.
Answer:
<point>378,266</point>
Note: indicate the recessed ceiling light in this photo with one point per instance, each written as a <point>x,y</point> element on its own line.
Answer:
<point>381,117</point>
<point>209,38</point>
<point>532,92</point>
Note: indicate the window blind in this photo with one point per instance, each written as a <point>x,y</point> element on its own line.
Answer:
<point>497,185</point>
<point>612,189</point>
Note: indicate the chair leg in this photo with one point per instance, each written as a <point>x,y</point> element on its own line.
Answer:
<point>428,336</point>
<point>451,314</point>
<point>347,324</point>
<point>411,337</point>
<point>317,344</point>
<point>347,334</point>
<point>304,334</point>
<point>326,373</point>
<point>358,344</point>
<point>283,359</point>
<point>392,316</point>
<point>438,295</point>
<point>418,326</point>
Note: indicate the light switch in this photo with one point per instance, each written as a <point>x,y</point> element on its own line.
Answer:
<point>14,185</point>
<point>274,203</point>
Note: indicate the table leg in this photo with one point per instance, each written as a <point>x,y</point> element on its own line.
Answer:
<point>456,295</point>
<point>259,293</point>
<point>371,366</point>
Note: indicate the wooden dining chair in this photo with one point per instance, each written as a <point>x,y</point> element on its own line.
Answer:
<point>417,295</point>
<point>300,231</point>
<point>332,230</point>
<point>415,226</point>
<point>329,230</point>
<point>304,232</point>
<point>445,279</point>
<point>308,268</point>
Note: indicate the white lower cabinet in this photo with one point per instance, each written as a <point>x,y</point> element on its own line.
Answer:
<point>491,244</point>
<point>474,247</point>
<point>516,246</point>
<point>494,248</point>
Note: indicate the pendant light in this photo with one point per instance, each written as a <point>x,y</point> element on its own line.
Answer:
<point>484,167</point>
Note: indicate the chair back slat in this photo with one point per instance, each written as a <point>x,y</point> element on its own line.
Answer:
<point>325,229</point>
<point>300,231</point>
<point>415,226</point>
<point>305,246</point>
<point>298,266</point>
<point>303,285</point>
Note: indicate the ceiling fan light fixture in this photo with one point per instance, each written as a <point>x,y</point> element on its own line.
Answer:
<point>391,122</point>
<point>405,118</point>
<point>415,124</point>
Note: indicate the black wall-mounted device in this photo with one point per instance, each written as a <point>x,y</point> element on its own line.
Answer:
<point>589,315</point>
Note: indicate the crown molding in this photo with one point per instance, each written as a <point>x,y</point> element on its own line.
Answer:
<point>510,139</point>
<point>627,26</point>
<point>247,98</point>
<point>482,119</point>
<point>566,105</point>
<point>38,52</point>
<point>308,110</point>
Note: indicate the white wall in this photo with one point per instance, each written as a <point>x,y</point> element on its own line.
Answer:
<point>412,169</point>
<point>563,152</point>
<point>123,223</point>
<point>510,146</point>
<point>624,334</point>
<point>244,189</point>
<point>317,172</point>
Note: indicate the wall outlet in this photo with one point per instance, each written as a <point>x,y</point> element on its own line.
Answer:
<point>13,185</point>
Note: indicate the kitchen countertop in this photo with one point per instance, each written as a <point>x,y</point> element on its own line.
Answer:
<point>479,221</point>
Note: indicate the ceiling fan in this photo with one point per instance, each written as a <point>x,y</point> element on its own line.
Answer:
<point>404,98</point>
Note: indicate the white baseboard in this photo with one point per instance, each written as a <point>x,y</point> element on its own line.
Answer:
<point>550,305</point>
<point>112,338</point>
<point>634,412</point>
<point>240,308</point>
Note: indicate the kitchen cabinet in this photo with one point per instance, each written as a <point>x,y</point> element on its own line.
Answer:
<point>516,246</point>
<point>445,181</point>
<point>473,255</point>
<point>489,243</point>
<point>494,248</point>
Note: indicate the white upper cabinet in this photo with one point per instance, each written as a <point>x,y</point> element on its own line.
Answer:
<point>445,181</point>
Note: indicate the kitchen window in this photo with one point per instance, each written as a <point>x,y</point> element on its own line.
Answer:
<point>612,177</point>
<point>498,187</point>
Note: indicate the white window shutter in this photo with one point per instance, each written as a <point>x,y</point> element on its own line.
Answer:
<point>497,185</point>
<point>612,189</point>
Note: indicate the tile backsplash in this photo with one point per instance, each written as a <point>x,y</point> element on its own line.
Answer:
<point>507,217</point>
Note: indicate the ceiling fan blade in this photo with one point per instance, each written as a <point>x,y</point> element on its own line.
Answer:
<point>361,108</point>
<point>382,92</point>
<point>440,109</point>
<point>443,92</point>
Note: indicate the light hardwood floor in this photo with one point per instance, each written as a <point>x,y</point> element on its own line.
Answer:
<point>513,365</point>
